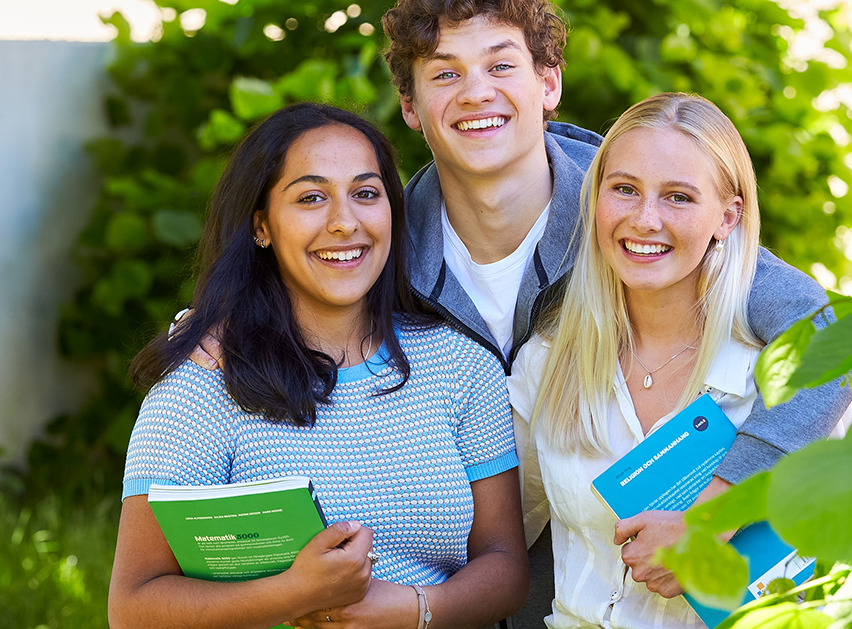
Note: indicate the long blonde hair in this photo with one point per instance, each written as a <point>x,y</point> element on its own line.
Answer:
<point>591,327</point>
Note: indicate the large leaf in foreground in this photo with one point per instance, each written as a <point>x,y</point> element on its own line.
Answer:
<point>779,360</point>
<point>740,505</point>
<point>809,501</point>
<point>708,569</point>
<point>781,616</point>
<point>828,355</point>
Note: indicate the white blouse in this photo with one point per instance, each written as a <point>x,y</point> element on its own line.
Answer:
<point>594,587</point>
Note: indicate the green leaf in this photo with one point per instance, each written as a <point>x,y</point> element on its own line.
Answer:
<point>779,360</point>
<point>740,505</point>
<point>117,434</point>
<point>117,112</point>
<point>828,355</point>
<point>176,227</point>
<point>126,231</point>
<point>711,571</point>
<point>252,98</point>
<point>222,128</point>
<point>841,304</point>
<point>782,616</point>
<point>122,27</point>
<point>314,79</point>
<point>809,501</point>
<point>839,605</point>
<point>367,56</point>
<point>837,570</point>
<point>780,586</point>
<point>132,278</point>
<point>106,297</point>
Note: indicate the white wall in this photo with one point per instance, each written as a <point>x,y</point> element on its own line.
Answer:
<point>50,103</point>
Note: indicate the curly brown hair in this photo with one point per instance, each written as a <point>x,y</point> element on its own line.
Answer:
<point>414,26</point>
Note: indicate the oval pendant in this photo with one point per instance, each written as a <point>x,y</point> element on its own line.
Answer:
<point>648,381</point>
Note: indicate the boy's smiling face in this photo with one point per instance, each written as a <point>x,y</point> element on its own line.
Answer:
<point>479,100</point>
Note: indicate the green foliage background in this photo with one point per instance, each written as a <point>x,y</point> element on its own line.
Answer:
<point>191,95</point>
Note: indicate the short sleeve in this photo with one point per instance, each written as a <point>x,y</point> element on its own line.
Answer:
<point>484,432</point>
<point>523,387</point>
<point>184,432</point>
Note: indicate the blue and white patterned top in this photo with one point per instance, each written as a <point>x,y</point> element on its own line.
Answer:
<point>400,463</point>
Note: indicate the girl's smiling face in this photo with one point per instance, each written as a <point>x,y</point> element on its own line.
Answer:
<point>328,221</point>
<point>658,209</point>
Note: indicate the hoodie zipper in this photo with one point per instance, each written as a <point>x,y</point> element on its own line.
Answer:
<point>456,324</point>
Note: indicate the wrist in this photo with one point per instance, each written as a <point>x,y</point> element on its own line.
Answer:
<point>424,612</point>
<point>299,594</point>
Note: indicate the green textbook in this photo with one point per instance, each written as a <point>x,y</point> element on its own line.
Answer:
<point>240,531</point>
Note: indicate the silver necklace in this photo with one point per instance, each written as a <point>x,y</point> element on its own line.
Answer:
<point>648,382</point>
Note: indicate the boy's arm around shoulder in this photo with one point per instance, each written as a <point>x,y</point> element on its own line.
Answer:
<point>782,295</point>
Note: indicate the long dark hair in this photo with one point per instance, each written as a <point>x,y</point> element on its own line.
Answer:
<point>268,367</point>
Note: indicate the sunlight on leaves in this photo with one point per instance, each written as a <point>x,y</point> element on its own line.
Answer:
<point>781,616</point>
<point>809,500</point>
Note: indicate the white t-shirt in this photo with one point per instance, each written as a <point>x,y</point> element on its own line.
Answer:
<point>593,586</point>
<point>493,287</point>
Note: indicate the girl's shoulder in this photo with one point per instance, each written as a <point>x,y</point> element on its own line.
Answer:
<point>192,389</point>
<point>531,357</point>
<point>523,382</point>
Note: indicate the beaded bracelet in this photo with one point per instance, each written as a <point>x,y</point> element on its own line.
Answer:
<point>425,612</point>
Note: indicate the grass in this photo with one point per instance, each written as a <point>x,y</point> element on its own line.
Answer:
<point>55,562</point>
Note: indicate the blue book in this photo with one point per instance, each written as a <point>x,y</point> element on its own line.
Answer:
<point>670,468</point>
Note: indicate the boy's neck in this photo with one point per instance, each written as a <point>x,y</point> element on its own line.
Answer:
<point>492,214</point>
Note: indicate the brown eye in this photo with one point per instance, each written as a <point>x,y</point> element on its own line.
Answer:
<point>367,193</point>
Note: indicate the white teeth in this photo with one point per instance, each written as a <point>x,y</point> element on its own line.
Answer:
<point>343,256</point>
<point>645,249</point>
<point>483,123</point>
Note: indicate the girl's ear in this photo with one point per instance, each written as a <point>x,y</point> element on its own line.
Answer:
<point>730,219</point>
<point>261,230</point>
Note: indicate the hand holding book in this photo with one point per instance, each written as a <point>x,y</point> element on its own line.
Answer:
<point>654,530</point>
<point>334,566</point>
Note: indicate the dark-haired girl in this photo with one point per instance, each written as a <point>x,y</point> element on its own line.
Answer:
<point>402,424</point>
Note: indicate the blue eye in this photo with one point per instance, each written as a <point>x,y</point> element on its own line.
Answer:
<point>502,66</point>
